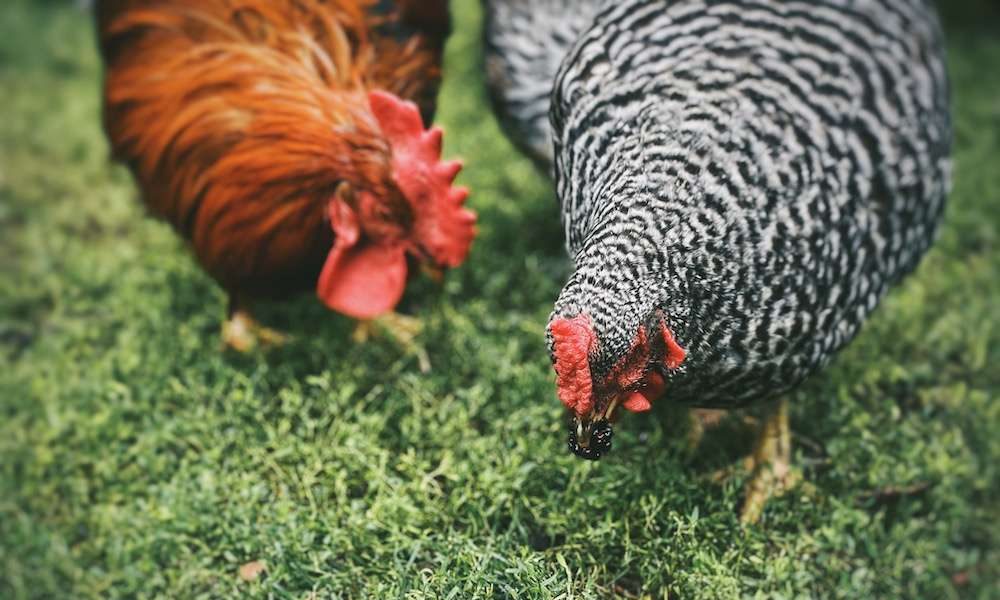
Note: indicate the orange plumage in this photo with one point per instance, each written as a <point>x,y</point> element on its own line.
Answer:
<point>248,124</point>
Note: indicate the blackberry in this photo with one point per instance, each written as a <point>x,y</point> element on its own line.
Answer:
<point>600,441</point>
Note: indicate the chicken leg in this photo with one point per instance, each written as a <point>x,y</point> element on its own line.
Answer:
<point>400,328</point>
<point>702,420</point>
<point>770,463</point>
<point>243,333</point>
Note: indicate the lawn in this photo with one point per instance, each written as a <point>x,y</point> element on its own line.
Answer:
<point>137,460</point>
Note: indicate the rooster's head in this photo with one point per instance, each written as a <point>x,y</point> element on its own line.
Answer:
<point>417,216</point>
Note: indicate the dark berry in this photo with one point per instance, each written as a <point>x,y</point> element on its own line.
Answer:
<point>600,441</point>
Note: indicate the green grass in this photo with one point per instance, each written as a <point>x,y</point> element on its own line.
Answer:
<point>136,460</point>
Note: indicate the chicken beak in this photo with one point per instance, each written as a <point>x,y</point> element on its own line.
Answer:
<point>609,413</point>
<point>590,435</point>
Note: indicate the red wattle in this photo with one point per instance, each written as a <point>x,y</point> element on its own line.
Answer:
<point>364,281</point>
<point>637,402</point>
<point>675,354</point>
<point>642,399</point>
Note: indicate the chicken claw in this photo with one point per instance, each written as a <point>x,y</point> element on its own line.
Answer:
<point>243,333</point>
<point>770,464</point>
<point>701,421</point>
<point>400,328</point>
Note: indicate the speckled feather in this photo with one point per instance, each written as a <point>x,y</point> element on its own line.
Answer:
<point>758,172</point>
<point>761,172</point>
<point>525,42</point>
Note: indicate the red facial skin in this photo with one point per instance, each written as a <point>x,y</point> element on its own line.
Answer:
<point>634,382</point>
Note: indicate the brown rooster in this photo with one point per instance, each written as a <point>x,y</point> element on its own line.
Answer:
<point>281,138</point>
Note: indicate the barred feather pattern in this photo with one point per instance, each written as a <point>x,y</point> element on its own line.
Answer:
<point>759,172</point>
<point>525,42</point>
<point>240,118</point>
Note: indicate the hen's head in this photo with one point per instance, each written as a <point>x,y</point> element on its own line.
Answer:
<point>596,374</point>
<point>417,216</point>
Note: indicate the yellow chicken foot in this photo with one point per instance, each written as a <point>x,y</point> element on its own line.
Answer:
<point>243,333</point>
<point>770,463</point>
<point>399,328</point>
<point>702,420</point>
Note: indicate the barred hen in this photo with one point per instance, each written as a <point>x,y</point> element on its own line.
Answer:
<point>282,138</point>
<point>525,43</point>
<point>741,182</point>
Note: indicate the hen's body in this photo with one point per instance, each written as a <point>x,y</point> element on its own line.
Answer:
<point>241,119</point>
<point>526,41</point>
<point>754,174</point>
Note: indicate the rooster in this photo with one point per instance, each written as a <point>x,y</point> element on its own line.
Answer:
<point>285,140</point>
<point>741,182</point>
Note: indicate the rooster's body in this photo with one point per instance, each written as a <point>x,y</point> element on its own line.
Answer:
<point>274,136</point>
<point>741,182</point>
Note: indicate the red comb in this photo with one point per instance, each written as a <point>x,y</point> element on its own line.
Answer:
<point>573,340</point>
<point>442,227</point>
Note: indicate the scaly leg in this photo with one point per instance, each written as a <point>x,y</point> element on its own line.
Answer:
<point>243,333</point>
<point>702,419</point>
<point>770,463</point>
<point>399,328</point>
